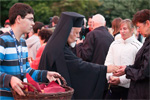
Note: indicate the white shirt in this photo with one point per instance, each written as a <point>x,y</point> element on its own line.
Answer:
<point>122,52</point>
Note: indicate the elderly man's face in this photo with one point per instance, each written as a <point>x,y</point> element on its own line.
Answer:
<point>74,35</point>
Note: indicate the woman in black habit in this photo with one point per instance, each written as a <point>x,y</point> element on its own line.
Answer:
<point>87,79</point>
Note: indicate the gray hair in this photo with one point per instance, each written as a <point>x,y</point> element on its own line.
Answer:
<point>98,18</point>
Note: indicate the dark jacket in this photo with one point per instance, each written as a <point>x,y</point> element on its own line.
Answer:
<point>139,73</point>
<point>95,46</point>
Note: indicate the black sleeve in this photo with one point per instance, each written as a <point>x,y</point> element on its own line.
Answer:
<point>85,50</point>
<point>147,70</point>
<point>134,73</point>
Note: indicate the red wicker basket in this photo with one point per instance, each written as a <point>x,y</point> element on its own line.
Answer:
<point>43,96</point>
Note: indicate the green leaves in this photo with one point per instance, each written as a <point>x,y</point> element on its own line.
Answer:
<point>110,9</point>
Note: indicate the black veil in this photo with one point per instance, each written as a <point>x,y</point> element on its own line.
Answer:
<point>55,45</point>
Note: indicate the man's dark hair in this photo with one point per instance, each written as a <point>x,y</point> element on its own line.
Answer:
<point>45,34</point>
<point>19,9</point>
<point>55,19</point>
<point>38,25</point>
<point>141,16</point>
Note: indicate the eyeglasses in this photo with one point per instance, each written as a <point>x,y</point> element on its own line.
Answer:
<point>138,27</point>
<point>30,19</point>
<point>141,25</point>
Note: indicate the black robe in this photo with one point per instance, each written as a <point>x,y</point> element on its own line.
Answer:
<point>139,73</point>
<point>87,79</point>
<point>95,46</point>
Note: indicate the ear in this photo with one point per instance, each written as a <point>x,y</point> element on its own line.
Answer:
<point>38,30</point>
<point>148,23</point>
<point>18,19</point>
<point>93,24</point>
<point>105,23</point>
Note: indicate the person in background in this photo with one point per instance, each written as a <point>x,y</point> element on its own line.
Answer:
<point>26,36</point>
<point>44,35</point>
<point>116,29</point>
<point>33,42</point>
<point>50,24</point>
<point>90,24</point>
<point>139,72</point>
<point>4,30</point>
<point>121,52</point>
<point>89,27</point>
<point>14,54</point>
<point>7,24</point>
<point>139,37</point>
<point>83,30</point>
<point>54,22</point>
<point>6,27</point>
<point>96,44</point>
<point>30,33</point>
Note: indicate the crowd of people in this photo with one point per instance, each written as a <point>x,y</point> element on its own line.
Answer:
<point>96,61</point>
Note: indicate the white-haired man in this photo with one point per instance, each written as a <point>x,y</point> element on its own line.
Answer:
<point>96,44</point>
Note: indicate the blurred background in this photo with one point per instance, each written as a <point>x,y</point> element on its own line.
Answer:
<point>45,9</point>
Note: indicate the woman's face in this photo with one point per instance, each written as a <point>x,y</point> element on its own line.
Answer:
<point>125,31</point>
<point>144,28</point>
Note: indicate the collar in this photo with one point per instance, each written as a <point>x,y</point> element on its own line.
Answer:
<point>129,40</point>
<point>100,28</point>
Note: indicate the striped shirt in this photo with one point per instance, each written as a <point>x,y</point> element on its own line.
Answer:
<point>9,64</point>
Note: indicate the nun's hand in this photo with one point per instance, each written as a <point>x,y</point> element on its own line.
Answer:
<point>120,71</point>
<point>51,76</point>
<point>79,41</point>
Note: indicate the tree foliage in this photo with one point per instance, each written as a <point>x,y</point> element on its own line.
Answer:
<point>4,8</point>
<point>122,8</point>
<point>110,9</point>
<point>42,10</point>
